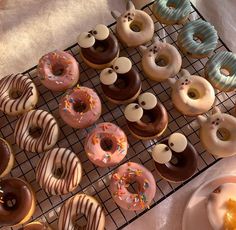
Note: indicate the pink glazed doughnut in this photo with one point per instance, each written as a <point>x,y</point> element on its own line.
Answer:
<point>106,145</point>
<point>125,175</point>
<point>80,107</point>
<point>58,71</point>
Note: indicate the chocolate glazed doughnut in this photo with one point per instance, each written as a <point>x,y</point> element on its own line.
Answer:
<point>17,202</point>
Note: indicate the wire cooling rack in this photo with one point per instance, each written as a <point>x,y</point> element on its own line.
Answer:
<point>95,180</point>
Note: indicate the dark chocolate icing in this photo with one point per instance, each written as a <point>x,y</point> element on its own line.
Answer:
<point>185,166</point>
<point>158,122</point>
<point>109,49</point>
<point>14,188</point>
<point>36,226</point>
<point>5,154</point>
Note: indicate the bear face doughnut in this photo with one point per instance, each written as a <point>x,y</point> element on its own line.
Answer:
<point>217,133</point>
<point>160,61</point>
<point>121,84</point>
<point>191,95</point>
<point>175,158</point>
<point>18,94</point>
<point>98,47</point>
<point>147,118</point>
<point>134,27</point>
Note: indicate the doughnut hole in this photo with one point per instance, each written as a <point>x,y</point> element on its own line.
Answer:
<point>100,46</point>
<point>223,134</point>
<point>135,26</point>
<point>161,61</point>
<point>9,201</point>
<point>35,131</point>
<point>197,38</point>
<point>106,144</point>
<point>15,94</point>
<point>225,71</point>
<point>80,221</point>
<point>58,171</point>
<point>193,94</point>
<point>58,69</point>
<point>148,117</point>
<point>171,5</point>
<point>121,82</point>
<point>79,106</point>
<point>133,187</point>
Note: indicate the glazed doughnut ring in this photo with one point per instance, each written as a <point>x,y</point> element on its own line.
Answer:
<point>18,94</point>
<point>134,27</point>
<point>191,95</point>
<point>121,84</point>
<point>175,158</point>
<point>125,175</point>
<point>47,134</point>
<point>106,145</point>
<point>36,225</point>
<point>59,171</point>
<point>17,202</point>
<point>220,70</point>
<point>160,51</point>
<point>197,39</point>
<point>217,133</point>
<point>81,204</point>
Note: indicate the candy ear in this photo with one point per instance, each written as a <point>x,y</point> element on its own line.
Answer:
<point>184,73</point>
<point>171,81</point>
<point>115,14</point>
<point>201,119</point>
<point>142,49</point>
<point>216,110</point>
<point>130,5</point>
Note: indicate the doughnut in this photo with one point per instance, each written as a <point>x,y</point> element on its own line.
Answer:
<point>85,205</point>
<point>175,158</point>
<point>58,70</point>
<point>7,158</point>
<point>171,12</point>
<point>46,136</point>
<point>106,145</point>
<point>221,207</point>
<point>98,47</point>
<point>80,107</point>
<point>127,174</point>
<point>160,61</point>
<point>197,39</point>
<point>59,171</point>
<point>147,118</point>
<point>17,202</point>
<point>36,225</point>
<point>220,71</point>
<point>191,95</point>
<point>121,84</point>
<point>217,133</point>
<point>18,94</point>
<point>133,27</point>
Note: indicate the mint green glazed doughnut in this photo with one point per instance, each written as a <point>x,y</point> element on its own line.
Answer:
<point>205,35</point>
<point>220,71</point>
<point>172,11</point>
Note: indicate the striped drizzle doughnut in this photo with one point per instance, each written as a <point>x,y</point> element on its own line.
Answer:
<point>59,171</point>
<point>27,99</point>
<point>81,204</point>
<point>36,119</point>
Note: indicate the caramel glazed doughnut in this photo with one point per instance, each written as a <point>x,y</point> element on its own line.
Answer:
<point>36,225</point>
<point>81,204</point>
<point>36,119</point>
<point>18,94</point>
<point>134,27</point>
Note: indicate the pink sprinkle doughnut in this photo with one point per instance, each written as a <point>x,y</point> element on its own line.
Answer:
<point>106,145</point>
<point>58,71</point>
<point>122,178</point>
<point>80,107</point>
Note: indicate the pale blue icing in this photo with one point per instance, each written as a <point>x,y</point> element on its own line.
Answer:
<point>201,29</point>
<point>222,60</point>
<point>181,10</point>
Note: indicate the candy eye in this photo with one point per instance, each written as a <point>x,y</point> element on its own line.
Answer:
<point>133,112</point>
<point>101,32</point>
<point>122,65</point>
<point>108,76</point>
<point>177,142</point>
<point>161,153</point>
<point>86,40</point>
<point>147,100</point>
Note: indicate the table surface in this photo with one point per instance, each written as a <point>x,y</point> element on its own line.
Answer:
<point>31,28</point>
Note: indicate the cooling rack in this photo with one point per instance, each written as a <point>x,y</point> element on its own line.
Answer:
<point>95,180</point>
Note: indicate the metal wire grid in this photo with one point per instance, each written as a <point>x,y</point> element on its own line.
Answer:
<point>95,180</point>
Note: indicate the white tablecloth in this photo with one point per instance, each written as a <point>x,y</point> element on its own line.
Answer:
<point>29,29</point>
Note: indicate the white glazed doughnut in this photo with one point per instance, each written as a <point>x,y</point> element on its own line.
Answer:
<point>38,119</point>
<point>81,204</point>
<point>159,51</point>
<point>222,145</point>
<point>17,84</point>
<point>134,27</point>
<point>59,171</point>
<point>192,95</point>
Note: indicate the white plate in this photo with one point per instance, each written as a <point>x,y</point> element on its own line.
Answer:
<point>195,215</point>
